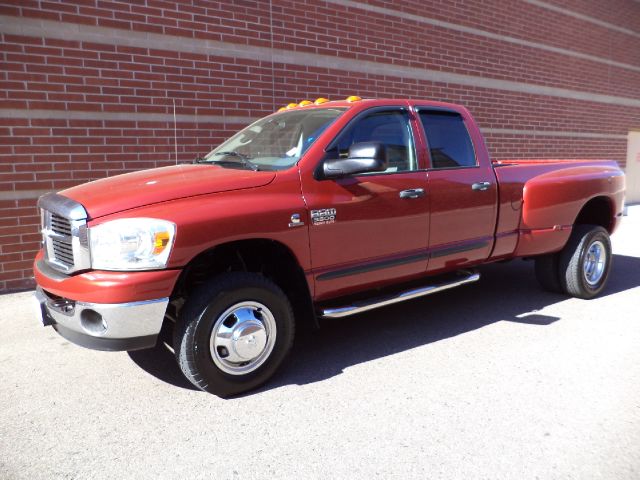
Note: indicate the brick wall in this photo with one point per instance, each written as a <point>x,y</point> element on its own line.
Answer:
<point>88,87</point>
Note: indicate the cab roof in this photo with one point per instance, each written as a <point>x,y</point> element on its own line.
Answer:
<point>354,100</point>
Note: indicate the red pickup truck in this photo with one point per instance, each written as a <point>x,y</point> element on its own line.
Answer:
<point>322,209</point>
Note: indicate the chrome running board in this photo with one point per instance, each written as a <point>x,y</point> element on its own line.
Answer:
<point>370,304</point>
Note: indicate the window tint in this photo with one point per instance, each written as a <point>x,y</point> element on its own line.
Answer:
<point>392,128</point>
<point>448,139</point>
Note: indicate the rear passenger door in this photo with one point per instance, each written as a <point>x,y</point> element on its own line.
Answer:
<point>462,190</point>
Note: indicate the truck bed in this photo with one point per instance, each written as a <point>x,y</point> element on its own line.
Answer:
<point>540,199</point>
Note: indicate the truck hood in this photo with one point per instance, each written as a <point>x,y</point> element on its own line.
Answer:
<point>146,187</point>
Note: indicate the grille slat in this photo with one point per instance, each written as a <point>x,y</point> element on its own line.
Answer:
<point>60,225</point>
<point>62,254</point>
<point>63,251</point>
<point>62,246</point>
<point>61,228</point>
<point>64,260</point>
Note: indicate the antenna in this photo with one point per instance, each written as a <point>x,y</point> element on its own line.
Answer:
<point>175,130</point>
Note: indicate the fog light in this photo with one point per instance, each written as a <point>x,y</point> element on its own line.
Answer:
<point>93,322</point>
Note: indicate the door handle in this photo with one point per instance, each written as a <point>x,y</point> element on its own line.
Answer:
<point>412,193</point>
<point>481,186</point>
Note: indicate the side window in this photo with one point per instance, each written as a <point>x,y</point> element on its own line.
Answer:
<point>392,128</point>
<point>449,142</point>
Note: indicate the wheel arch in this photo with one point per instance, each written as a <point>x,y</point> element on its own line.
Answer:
<point>267,257</point>
<point>597,211</point>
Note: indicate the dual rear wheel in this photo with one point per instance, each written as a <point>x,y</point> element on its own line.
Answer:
<point>582,267</point>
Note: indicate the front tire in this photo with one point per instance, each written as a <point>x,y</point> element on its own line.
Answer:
<point>585,262</point>
<point>233,333</point>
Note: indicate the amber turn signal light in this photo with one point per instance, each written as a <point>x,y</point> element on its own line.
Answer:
<point>160,241</point>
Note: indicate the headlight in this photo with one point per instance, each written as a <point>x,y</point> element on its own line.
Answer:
<point>131,244</point>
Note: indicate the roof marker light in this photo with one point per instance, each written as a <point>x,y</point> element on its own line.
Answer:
<point>282,108</point>
<point>291,105</point>
<point>305,103</point>
<point>353,98</point>
<point>321,100</point>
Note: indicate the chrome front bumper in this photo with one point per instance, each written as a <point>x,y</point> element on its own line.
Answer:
<point>103,326</point>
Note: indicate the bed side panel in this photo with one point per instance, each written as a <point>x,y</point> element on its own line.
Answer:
<point>542,200</point>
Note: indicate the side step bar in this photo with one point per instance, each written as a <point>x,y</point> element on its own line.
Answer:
<point>369,304</point>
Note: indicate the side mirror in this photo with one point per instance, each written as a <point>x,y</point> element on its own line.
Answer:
<point>363,157</point>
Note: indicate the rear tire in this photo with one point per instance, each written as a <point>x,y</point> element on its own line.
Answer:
<point>585,262</point>
<point>234,333</point>
<point>548,272</point>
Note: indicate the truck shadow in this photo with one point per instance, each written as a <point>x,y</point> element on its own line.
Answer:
<point>505,292</point>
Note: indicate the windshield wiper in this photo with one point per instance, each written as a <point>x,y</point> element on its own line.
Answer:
<point>244,159</point>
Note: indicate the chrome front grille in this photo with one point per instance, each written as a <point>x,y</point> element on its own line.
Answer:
<point>64,232</point>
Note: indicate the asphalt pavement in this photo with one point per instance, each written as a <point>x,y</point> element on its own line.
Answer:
<point>495,380</point>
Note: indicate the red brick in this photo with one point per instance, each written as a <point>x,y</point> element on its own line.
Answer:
<point>66,75</point>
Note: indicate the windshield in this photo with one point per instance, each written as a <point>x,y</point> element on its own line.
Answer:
<point>276,142</point>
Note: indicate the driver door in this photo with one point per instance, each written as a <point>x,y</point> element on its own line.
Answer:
<point>367,230</point>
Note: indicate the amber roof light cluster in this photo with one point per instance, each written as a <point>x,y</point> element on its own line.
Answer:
<point>319,101</point>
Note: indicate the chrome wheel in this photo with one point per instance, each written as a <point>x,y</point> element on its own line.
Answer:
<point>594,263</point>
<point>243,338</point>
